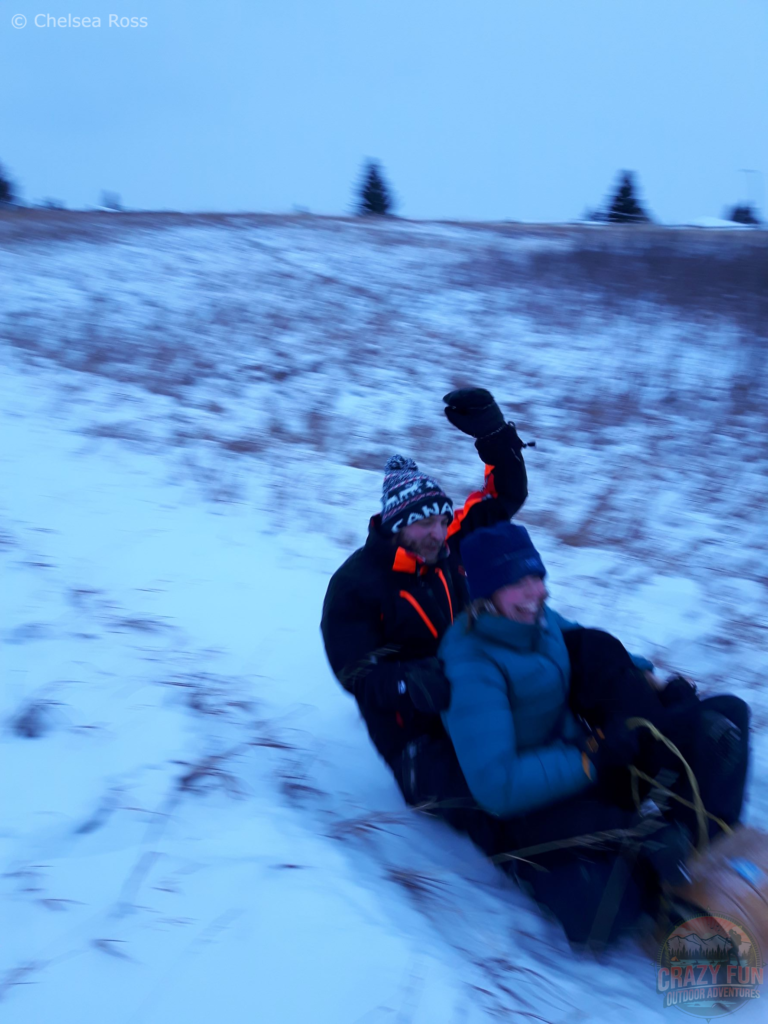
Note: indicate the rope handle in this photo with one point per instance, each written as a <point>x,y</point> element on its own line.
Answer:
<point>637,774</point>
<point>596,838</point>
<point>702,814</point>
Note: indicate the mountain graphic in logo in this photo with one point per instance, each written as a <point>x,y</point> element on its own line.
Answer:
<point>691,946</point>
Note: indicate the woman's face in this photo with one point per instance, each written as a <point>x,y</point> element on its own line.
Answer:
<point>522,601</point>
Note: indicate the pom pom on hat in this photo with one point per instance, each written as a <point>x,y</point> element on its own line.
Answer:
<point>395,462</point>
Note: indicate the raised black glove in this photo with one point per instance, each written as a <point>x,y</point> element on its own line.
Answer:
<point>474,411</point>
<point>428,685</point>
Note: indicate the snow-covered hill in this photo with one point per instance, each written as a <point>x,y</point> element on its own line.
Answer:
<point>195,416</point>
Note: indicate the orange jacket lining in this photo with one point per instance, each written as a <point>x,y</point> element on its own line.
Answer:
<point>447,592</point>
<point>425,618</point>
<point>488,491</point>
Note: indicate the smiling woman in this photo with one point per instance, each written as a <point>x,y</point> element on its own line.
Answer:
<point>507,570</point>
<point>545,717</point>
<point>522,601</point>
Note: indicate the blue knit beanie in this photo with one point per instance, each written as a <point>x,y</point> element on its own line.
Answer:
<point>497,556</point>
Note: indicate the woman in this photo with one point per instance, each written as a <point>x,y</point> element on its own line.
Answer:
<point>551,758</point>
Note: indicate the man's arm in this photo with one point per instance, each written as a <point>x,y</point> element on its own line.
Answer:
<point>474,412</point>
<point>368,668</point>
<point>351,628</point>
<point>502,454</point>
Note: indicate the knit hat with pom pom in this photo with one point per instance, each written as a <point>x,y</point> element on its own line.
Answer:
<point>408,495</point>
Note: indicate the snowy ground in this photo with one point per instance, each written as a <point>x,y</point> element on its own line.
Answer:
<point>195,414</point>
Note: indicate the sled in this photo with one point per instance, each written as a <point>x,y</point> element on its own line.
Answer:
<point>731,879</point>
<point>728,875</point>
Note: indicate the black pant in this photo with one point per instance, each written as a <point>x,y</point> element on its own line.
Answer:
<point>430,777</point>
<point>606,688</point>
<point>722,792</point>
<point>595,896</point>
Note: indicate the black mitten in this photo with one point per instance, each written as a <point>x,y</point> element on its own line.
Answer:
<point>428,685</point>
<point>608,750</point>
<point>608,755</point>
<point>405,687</point>
<point>474,411</point>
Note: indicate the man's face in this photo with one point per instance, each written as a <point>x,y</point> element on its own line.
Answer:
<point>522,601</point>
<point>425,537</point>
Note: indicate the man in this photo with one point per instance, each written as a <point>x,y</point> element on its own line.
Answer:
<point>390,603</point>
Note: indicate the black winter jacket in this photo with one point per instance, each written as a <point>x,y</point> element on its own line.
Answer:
<point>386,611</point>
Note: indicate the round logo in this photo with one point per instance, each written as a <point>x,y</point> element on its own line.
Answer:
<point>18,21</point>
<point>709,966</point>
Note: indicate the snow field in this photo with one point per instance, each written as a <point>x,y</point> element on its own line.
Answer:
<point>195,423</point>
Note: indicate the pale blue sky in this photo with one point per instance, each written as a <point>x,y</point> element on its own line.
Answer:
<point>477,109</point>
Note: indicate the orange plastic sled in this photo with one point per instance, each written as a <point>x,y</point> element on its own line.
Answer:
<point>731,878</point>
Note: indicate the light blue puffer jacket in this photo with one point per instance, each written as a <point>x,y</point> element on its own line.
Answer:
<point>509,720</point>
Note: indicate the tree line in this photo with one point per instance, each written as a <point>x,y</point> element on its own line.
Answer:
<point>375,198</point>
<point>622,206</point>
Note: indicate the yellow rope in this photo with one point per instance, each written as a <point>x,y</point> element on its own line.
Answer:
<point>588,840</point>
<point>595,838</point>
<point>637,774</point>
<point>698,804</point>
<point>702,814</point>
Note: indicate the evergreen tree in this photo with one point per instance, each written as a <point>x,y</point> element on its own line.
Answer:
<point>625,207</point>
<point>743,213</point>
<point>374,196</point>
<point>7,191</point>
<point>594,216</point>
